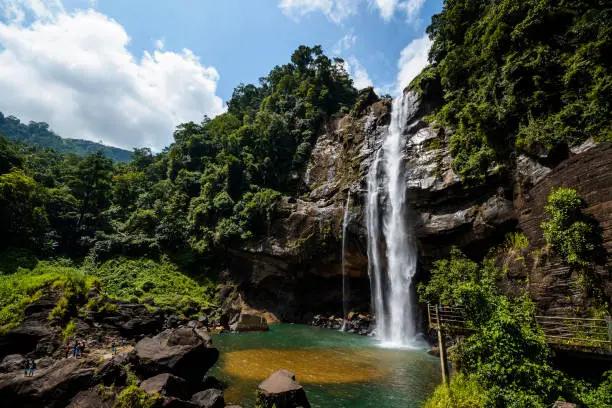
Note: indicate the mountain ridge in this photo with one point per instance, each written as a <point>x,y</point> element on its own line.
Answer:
<point>38,133</point>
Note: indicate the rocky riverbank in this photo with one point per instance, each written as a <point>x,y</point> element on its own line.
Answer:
<point>357,323</point>
<point>132,352</point>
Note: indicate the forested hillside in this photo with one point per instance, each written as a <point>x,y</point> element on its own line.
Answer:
<point>39,134</point>
<point>519,75</point>
<point>213,188</point>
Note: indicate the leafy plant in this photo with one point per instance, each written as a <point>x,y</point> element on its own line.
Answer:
<point>463,391</point>
<point>569,231</point>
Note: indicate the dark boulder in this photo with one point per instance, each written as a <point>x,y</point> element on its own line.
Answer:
<point>34,335</point>
<point>209,399</point>
<point>12,362</point>
<point>184,352</point>
<point>165,384</point>
<point>248,322</point>
<point>51,387</point>
<point>131,319</point>
<point>93,398</point>
<point>112,371</point>
<point>282,390</point>
<point>171,402</point>
<point>210,381</point>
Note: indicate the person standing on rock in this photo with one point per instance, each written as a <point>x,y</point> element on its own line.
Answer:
<point>113,347</point>
<point>75,350</point>
<point>26,367</point>
<point>32,367</point>
<point>67,349</point>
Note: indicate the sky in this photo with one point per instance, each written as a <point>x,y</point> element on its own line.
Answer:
<point>127,72</point>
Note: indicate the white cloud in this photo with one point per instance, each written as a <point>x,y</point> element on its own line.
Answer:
<point>387,8</point>
<point>412,60</point>
<point>339,10</point>
<point>344,44</point>
<point>361,79</point>
<point>412,8</point>
<point>74,71</point>
<point>335,10</point>
<point>159,44</point>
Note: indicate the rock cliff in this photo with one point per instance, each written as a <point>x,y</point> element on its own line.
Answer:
<point>295,271</point>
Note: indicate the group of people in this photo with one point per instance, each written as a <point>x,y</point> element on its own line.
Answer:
<point>29,365</point>
<point>77,349</point>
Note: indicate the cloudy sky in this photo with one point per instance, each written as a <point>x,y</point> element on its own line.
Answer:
<point>126,72</point>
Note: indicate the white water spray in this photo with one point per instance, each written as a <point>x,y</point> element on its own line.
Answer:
<point>345,282</point>
<point>391,275</point>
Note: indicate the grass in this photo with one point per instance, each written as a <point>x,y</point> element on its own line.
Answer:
<point>140,279</point>
<point>123,279</point>
<point>25,286</point>
<point>516,240</point>
<point>462,392</point>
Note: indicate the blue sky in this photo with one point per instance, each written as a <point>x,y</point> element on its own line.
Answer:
<point>127,72</point>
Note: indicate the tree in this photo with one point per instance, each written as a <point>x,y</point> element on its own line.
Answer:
<point>91,185</point>
<point>23,218</point>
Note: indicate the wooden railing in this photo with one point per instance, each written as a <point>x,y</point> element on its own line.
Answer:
<point>565,331</point>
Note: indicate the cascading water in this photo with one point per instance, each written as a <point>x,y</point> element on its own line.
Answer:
<point>391,275</point>
<point>345,282</point>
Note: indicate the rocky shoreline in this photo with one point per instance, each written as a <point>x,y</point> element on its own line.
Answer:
<point>357,323</point>
<point>132,353</point>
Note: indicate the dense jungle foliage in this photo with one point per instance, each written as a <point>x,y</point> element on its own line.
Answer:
<point>505,360</point>
<point>157,228</point>
<point>39,134</point>
<point>519,75</point>
<point>213,188</point>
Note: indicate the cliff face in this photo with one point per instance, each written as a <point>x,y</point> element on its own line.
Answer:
<point>296,270</point>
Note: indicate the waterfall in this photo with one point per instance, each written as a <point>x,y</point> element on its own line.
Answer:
<point>391,275</point>
<point>345,282</point>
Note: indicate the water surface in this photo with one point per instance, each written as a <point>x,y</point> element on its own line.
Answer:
<point>338,370</point>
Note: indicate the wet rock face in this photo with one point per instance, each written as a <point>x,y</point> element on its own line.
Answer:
<point>295,271</point>
<point>281,390</point>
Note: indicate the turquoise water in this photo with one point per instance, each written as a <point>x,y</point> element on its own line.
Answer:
<point>337,370</point>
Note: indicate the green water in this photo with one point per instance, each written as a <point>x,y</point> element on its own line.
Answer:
<point>337,369</point>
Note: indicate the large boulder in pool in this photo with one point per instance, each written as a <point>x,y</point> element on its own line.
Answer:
<point>209,399</point>
<point>185,352</point>
<point>248,322</point>
<point>165,384</point>
<point>282,390</point>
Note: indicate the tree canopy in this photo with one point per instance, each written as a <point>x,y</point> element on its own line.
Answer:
<point>529,75</point>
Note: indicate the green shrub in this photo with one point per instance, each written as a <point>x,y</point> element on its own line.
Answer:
<point>69,330</point>
<point>506,352</point>
<point>12,259</point>
<point>20,289</point>
<point>600,396</point>
<point>463,391</point>
<point>126,279</point>
<point>134,397</point>
<point>570,232</point>
<point>516,240</point>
